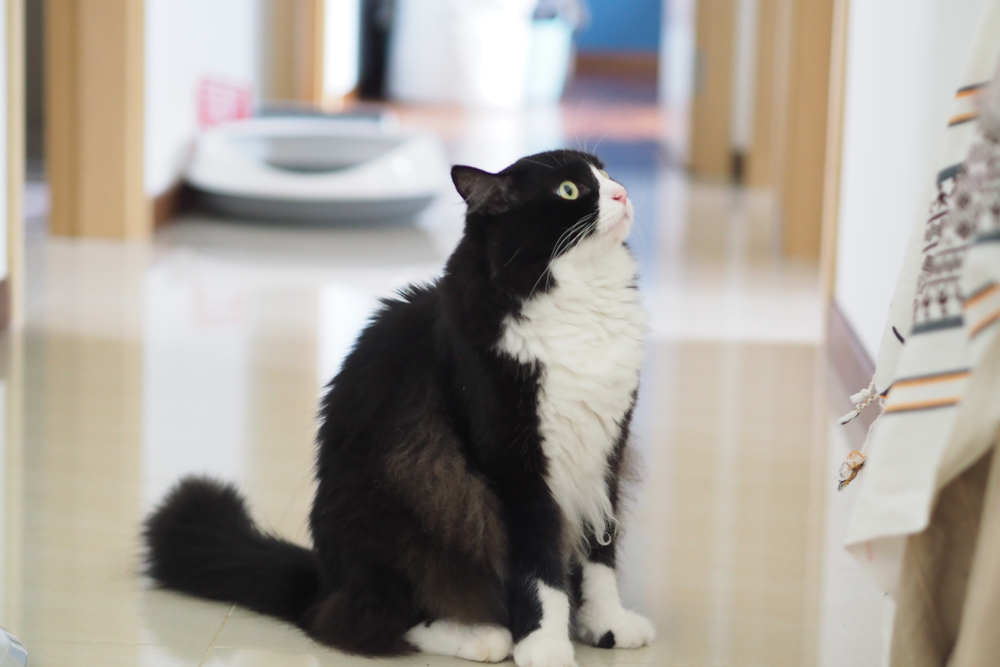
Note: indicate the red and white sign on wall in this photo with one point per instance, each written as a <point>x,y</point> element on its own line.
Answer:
<point>220,101</point>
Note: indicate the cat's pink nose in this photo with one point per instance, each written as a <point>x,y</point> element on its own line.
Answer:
<point>619,194</point>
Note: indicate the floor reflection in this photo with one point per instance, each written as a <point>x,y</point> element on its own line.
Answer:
<point>205,351</point>
<point>194,377</point>
<point>728,513</point>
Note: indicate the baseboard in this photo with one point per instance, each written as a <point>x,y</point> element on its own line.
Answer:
<point>167,205</point>
<point>618,64</point>
<point>851,363</point>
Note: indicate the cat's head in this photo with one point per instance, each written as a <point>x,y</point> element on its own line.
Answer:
<point>542,206</point>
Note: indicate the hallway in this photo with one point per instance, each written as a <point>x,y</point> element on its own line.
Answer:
<point>206,350</point>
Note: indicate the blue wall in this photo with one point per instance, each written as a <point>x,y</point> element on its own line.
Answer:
<point>622,25</point>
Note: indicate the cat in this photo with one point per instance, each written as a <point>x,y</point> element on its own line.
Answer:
<point>470,448</point>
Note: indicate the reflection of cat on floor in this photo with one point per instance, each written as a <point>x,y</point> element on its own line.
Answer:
<point>469,456</point>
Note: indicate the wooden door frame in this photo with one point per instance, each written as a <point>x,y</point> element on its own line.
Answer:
<point>710,147</point>
<point>12,286</point>
<point>834,150</point>
<point>798,116</point>
<point>295,51</point>
<point>94,98</point>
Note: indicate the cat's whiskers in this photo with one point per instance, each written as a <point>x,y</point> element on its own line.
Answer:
<point>578,236</point>
<point>540,164</point>
<point>598,144</point>
<point>567,239</point>
<point>566,234</point>
<point>576,128</point>
<point>507,263</point>
<point>564,240</point>
<point>576,123</point>
<point>562,237</point>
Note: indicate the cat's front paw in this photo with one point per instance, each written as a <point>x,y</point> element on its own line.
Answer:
<point>541,649</point>
<point>618,628</point>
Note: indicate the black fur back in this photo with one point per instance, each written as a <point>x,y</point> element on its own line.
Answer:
<point>202,541</point>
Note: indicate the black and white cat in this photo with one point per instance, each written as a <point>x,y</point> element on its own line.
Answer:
<point>470,447</point>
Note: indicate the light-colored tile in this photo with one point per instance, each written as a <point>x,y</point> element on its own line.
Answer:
<point>89,654</point>
<point>171,619</point>
<point>306,655</point>
<point>245,629</point>
<point>247,633</point>
<point>318,656</point>
<point>205,352</point>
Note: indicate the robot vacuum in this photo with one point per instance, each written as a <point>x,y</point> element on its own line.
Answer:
<point>317,169</point>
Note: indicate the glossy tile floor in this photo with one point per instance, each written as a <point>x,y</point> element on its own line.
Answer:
<point>206,349</point>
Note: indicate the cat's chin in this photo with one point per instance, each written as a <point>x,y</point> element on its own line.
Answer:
<point>619,231</point>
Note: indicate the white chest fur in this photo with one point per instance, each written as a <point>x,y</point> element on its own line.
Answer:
<point>586,336</point>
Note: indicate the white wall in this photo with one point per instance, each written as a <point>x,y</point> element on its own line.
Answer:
<point>677,71</point>
<point>341,44</point>
<point>904,59</point>
<point>460,52</point>
<point>187,40</point>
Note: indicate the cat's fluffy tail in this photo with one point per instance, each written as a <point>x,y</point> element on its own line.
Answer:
<point>202,541</point>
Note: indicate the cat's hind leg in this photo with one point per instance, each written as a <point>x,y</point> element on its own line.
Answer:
<point>368,613</point>
<point>482,643</point>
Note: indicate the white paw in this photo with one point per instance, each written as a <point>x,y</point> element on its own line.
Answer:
<point>487,643</point>
<point>482,643</point>
<point>628,629</point>
<point>542,649</point>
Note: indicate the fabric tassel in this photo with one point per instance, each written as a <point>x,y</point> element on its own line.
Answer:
<point>850,468</point>
<point>861,400</point>
<point>855,461</point>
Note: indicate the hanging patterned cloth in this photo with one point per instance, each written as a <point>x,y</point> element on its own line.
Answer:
<point>948,595</point>
<point>944,314</point>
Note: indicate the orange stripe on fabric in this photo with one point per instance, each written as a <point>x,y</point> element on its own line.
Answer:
<point>990,319</point>
<point>947,377</point>
<point>920,405</point>
<point>967,92</point>
<point>980,295</point>
<point>963,117</point>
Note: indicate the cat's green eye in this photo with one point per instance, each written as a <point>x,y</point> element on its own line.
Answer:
<point>568,190</point>
<point>603,173</point>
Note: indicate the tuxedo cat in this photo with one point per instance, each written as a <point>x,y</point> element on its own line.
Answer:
<point>470,448</point>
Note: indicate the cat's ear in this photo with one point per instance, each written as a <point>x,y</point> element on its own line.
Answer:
<point>482,191</point>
